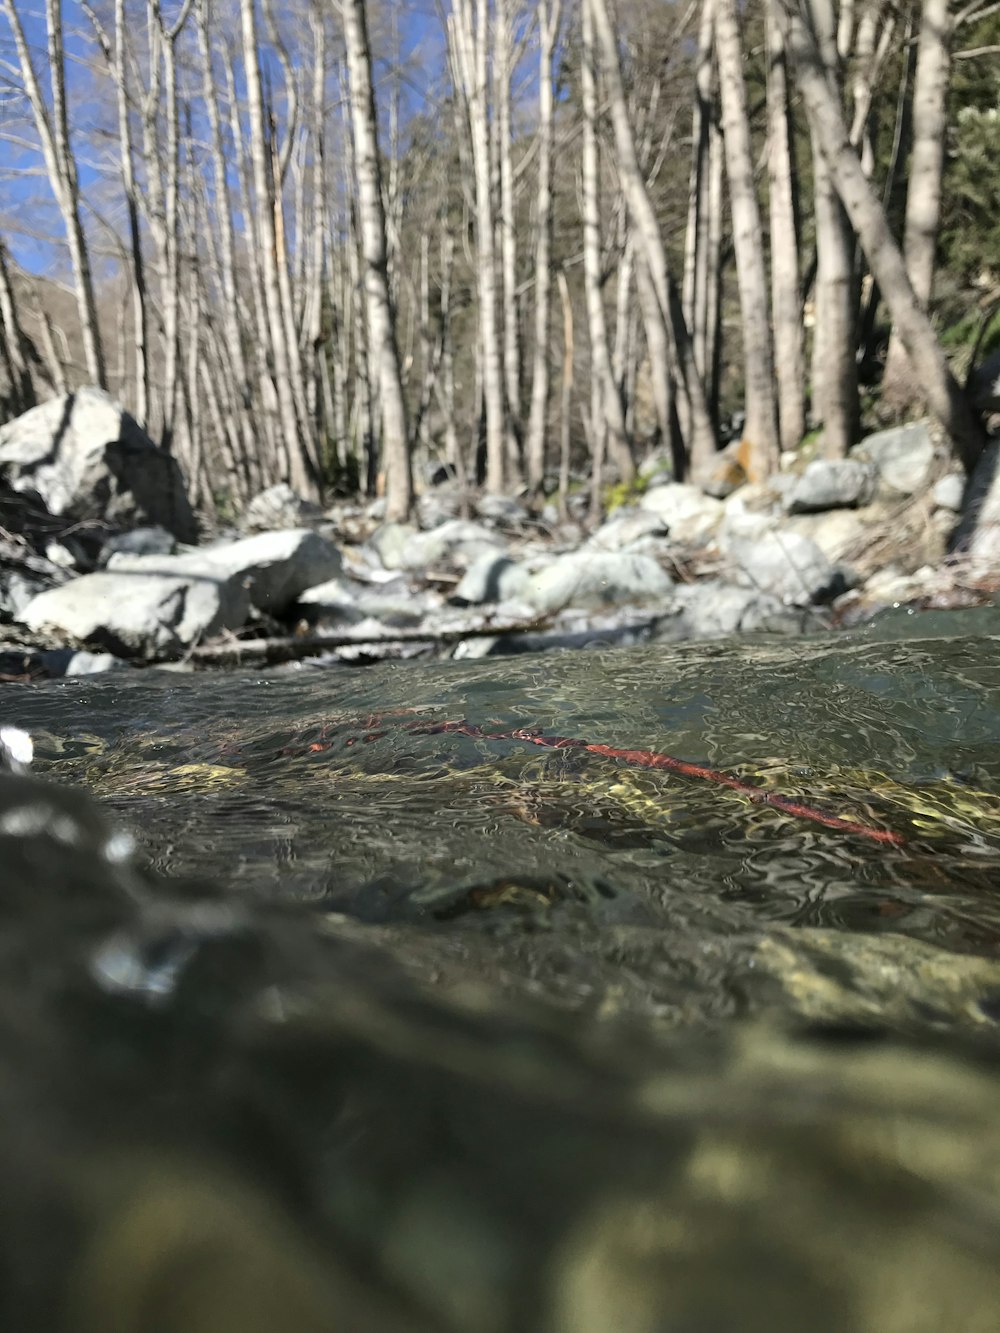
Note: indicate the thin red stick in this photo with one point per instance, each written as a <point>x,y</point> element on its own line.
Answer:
<point>656,760</point>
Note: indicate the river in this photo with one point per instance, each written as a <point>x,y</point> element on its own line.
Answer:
<point>547,1037</point>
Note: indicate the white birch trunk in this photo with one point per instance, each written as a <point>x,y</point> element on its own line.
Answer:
<point>760,435</point>
<point>381,317</point>
<point>468,35</point>
<point>834,364</point>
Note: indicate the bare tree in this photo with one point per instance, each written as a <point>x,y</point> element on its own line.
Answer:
<point>468,41</point>
<point>300,473</point>
<point>760,428</point>
<point>826,120</point>
<point>786,289</point>
<point>612,415</point>
<point>381,316</point>
<point>834,367</point>
<point>52,124</point>
<point>701,437</point>
<point>549,15</point>
<point>901,389</point>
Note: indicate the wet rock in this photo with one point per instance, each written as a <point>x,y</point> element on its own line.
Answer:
<point>903,457</point>
<point>280,507</point>
<point>146,615</point>
<point>597,578</point>
<point>790,567</point>
<point>832,484</point>
<point>493,578</point>
<point>689,513</point>
<point>275,568</point>
<point>84,458</point>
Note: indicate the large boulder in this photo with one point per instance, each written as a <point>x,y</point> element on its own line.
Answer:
<point>903,457</point>
<point>85,458</point>
<point>688,512</point>
<point>596,579</point>
<point>152,616</point>
<point>273,567</point>
<point>835,483</point>
<point>786,565</point>
<point>493,578</point>
<point>630,528</point>
<point>401,546</point>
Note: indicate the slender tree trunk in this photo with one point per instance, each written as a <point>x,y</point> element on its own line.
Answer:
<point>826,119</point>
<point>566,394</point>
<point>600,356</point>
<point>901,389</point>
<point>834,364</point>
<point>549,14</point>
<point>504,69</point>
<point>381,317</point>
<point>786,290</point>
<point>267,241</point>
<point>468,34</point>
<point>15,341</point>
<point>704,137</point>
<point>760,432</point>
<point>701,439</point>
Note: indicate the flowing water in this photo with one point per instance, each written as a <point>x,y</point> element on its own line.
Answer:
<point>553,1032</point>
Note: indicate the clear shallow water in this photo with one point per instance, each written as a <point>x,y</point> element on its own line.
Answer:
<point>314,787</point>
<point>414,1031</point>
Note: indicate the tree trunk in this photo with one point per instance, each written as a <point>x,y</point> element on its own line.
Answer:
<point>60,164</point>
<point>504,68</point>
<point>826,120</point>
<point>468,36</point>
<point>786,290</point>
<point>701,436</point>
<point>549,14</point>
<point>266,257</point>
<point>901,388</point>
<point>760,433</point>
<point>600,356</point>
<point>834,364</point>
<point>381,317</point>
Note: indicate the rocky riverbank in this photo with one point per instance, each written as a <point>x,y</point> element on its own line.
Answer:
<point>100,564</point>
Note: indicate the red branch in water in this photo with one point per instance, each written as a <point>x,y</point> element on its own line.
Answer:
<point>656,760</point>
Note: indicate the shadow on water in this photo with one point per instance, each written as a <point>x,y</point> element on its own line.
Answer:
<point>394,1026</point>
